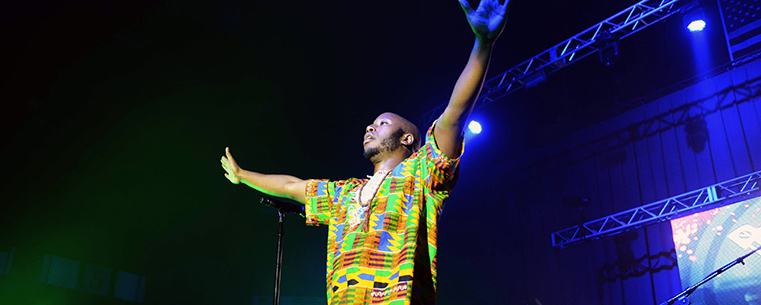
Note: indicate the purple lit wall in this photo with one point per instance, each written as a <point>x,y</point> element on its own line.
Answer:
<point>700,135</point>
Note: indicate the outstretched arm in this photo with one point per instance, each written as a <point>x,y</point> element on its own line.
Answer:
<point>282,186</point>
<point>487,22</point>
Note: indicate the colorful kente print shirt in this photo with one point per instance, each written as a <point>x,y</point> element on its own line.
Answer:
<point>391,259</point>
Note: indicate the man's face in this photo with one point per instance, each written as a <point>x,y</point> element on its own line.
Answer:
<point>383,135</point>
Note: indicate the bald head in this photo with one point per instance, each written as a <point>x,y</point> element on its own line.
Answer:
<point>406,126</point>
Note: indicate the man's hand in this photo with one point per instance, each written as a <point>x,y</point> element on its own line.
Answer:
<point>230,166</point>
<point>488,20</point>
<point>282,186</point>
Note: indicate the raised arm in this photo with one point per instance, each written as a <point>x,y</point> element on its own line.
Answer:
<point>282,186</point>
<point>487,22</point>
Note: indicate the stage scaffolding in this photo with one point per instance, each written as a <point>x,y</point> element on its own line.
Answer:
<point>535,70</point>
<point>714,196</point>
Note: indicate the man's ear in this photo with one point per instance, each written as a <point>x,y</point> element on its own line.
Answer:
<point>408,139</point>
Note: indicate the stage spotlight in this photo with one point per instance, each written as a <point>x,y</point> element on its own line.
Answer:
<point>474,127</point>
<point>607,43</point>
<point>694,19</point>
<point>696,26</point>
<point>534,79</point>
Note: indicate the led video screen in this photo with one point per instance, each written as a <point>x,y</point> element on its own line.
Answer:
<point>708,240</point>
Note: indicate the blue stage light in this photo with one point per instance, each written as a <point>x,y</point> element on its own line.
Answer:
<point>696,25</point>
<point>474,127</point>
<point>694,19</point>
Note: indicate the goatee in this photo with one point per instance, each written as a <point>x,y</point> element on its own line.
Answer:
<point>390,143</point>
<point>369,153</point>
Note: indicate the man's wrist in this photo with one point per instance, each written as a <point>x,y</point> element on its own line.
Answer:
<point>241,174</point>
<point>484,42</point>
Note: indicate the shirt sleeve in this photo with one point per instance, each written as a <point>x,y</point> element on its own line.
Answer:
<point>321,202</point>
<point>440,170</point>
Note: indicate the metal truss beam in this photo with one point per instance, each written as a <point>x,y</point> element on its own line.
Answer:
<point>714,196</point>
<point>629,21</point>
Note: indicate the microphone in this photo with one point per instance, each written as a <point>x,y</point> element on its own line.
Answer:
<point>283,207</point>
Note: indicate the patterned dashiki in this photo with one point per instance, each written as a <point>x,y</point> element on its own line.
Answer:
<point>394,260</point>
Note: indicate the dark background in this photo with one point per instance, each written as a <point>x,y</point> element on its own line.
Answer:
<point>115,114</point>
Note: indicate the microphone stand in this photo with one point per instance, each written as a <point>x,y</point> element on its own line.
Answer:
<point>282,210</point>
<point>683,296</point>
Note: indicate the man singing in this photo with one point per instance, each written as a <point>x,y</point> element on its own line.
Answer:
<point>383,230</point>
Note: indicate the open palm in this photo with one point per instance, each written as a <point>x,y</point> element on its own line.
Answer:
<point>230,166</point>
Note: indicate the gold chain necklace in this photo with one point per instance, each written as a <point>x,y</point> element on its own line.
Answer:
<point>374,183</point>
<point>376,186</point>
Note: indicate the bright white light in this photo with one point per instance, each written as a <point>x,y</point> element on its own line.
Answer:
<point>696,26</point>
<point>474,127</point>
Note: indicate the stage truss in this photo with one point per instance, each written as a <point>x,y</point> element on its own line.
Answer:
<point>629,21</point>
<point>714,196</point>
